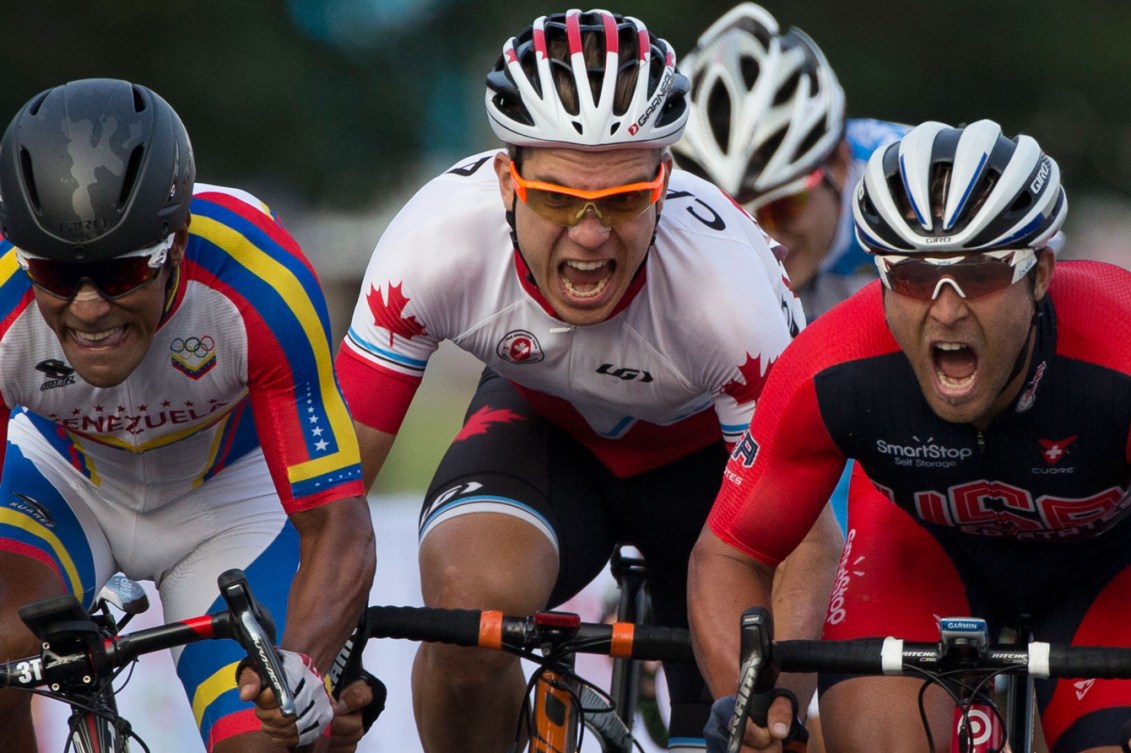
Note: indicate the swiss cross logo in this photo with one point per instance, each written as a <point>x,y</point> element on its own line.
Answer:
<point>1054,450</point>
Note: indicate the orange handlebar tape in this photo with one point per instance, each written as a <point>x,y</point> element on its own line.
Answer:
<point>621,643</point>
<point>491,629</point>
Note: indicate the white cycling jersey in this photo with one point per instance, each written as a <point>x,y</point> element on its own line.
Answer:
<point>709,312</point>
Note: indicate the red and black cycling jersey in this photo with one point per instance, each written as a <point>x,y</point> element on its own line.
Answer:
<point>1054,466</point>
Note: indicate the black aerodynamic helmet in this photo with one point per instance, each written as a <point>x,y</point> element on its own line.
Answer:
<point>94,169</point>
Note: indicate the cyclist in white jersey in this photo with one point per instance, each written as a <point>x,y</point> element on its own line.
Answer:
<point>173,409</point>
<point>624,355</point>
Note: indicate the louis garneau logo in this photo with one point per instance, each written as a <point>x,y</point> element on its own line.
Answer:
<point>58,374</point>
<point>520,346</point>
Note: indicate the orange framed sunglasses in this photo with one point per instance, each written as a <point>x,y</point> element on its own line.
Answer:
<point>566,206</point>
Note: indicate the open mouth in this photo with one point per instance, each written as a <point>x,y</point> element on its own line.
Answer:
<point>956,367</point>
<point>584,280</point>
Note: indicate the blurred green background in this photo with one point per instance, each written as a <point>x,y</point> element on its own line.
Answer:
<point>332,111</point>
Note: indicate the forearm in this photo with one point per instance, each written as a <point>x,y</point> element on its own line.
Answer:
<point>722,583</point>
<point>331,587</point>
<point>801,593</point>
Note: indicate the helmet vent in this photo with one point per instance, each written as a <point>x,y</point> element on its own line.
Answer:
<point>139,100</point>
<point>764,153</point>
<point>29,181</point>
<point>750,70</point>
<point>787,89</point>
<point>33,108</point>
<point>129,180</point>
<point>718,105</point>
<point>1021,204</point>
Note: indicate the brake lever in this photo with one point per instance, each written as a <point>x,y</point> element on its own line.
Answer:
<point>259,642</point>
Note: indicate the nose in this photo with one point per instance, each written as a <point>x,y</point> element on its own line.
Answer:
<point>948,306</point>
<point>589,231</point>
<point>88,303</point>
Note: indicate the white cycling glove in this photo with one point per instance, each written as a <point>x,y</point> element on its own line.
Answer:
<point>312,703</point>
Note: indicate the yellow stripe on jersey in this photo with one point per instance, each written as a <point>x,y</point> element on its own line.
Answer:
<point>292,291</point>
<point>220,682</point>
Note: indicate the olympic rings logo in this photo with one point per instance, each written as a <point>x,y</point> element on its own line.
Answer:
<point>193,346</point>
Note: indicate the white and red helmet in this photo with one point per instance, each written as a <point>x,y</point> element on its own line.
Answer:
<point>541,92</point>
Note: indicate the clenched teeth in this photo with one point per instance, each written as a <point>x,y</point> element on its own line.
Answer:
<point>95,336</point>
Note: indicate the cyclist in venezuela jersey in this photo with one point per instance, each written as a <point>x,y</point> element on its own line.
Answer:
<point>624,354</point>
<point>169,405</point>
<point>981,396</point>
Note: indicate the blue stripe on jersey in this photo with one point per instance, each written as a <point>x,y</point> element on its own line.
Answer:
<point>234,266</point>
<point>237,438</point>
<point>385,353</point>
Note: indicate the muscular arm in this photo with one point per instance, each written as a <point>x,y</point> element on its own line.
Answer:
<point>723,582</point>
<point>332,585</point>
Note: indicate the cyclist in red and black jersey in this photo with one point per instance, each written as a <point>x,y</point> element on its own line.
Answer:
<point>988,402</point>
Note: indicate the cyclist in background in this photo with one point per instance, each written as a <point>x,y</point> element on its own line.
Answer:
<point>992,416</point>
<point>169,406</point>
<point>621,359</point>
<point>767,125</point>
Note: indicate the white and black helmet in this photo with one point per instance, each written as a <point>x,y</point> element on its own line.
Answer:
<point>94,169</point>
<point>542,93</point>
<point>945,189</point>
<point>766,108</point>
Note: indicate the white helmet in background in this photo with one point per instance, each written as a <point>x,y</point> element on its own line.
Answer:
<point>767,109</point>
<point>542,93</point>
<point>942,189</point>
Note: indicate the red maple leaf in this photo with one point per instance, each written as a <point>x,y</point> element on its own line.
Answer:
<point>389,313</point>
<point>753,381</point>
<point>481,421</point>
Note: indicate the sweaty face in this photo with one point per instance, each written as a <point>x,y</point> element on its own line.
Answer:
<point>105,340</point>
<point>583,270</point>
<point>963,350</point>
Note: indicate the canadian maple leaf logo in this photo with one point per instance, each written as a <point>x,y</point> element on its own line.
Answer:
<point>388,313</point>
<point>752,381</point>
<point>482,419</point>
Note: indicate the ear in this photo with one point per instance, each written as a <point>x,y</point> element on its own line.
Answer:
<point>668,163</point>
<point>1045,266</point>
<point>839,161</point>
<point>180,242</point>
<point>502,165</point>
